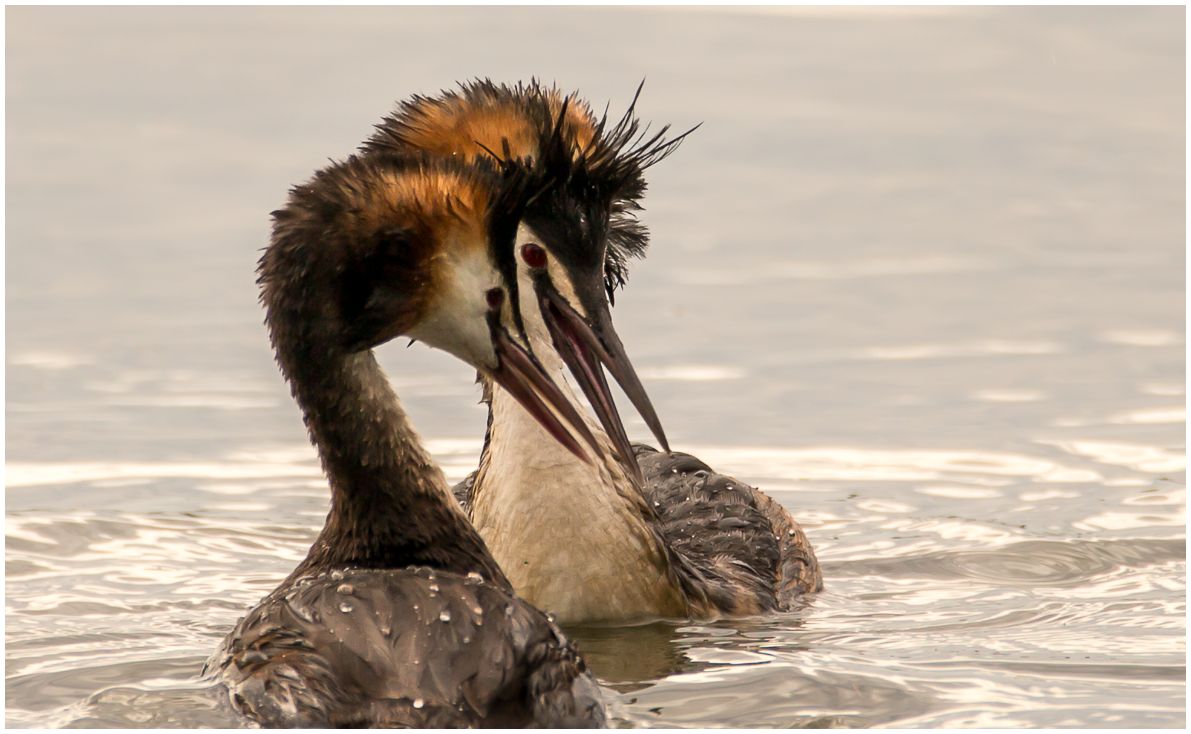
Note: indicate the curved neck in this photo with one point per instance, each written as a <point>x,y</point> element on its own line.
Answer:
<point>517,445</point>
<point>510,425</point>
<point>578,539</point>
<point>390,504</point>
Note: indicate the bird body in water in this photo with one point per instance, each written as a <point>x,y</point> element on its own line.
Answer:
<point>655,534</point>
<point>399,615</point>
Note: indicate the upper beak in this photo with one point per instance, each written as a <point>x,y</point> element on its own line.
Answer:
<point>583,347</point>
<point>527,381</point>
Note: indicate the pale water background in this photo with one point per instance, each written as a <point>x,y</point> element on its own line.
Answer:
<point>920,275</point>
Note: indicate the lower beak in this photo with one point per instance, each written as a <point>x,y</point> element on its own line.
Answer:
<point>583,350</point>
<point>527,381</point>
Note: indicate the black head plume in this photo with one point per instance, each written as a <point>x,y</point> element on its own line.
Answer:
<point>507,210</point>
<point>608,172</point>
<point>571,149</point>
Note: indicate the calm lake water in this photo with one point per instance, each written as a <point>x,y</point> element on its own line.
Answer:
<point>920,275</point>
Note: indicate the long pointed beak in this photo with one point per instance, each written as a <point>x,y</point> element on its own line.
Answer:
<point>583,349</point>
<point>527,381</point>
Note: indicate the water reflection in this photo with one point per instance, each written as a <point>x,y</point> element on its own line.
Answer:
<point>1147,459</point>
<point>630,658</point>
<point>692,373</point>
<point>1143,338</point>
<point>952,350</point>
<point>847,463</point>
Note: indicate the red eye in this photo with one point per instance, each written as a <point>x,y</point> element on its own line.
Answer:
<point>533,255</point>
<point>495,297</point>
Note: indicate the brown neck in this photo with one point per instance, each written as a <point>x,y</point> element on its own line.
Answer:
<point>390,504</point>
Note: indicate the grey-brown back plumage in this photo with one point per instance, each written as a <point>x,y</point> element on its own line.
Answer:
<point>734,549</point>
<point>752,556</point>
<point>407,648</point>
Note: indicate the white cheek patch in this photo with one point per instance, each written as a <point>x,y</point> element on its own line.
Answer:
<point>456,318</point>
<point>562,281</point>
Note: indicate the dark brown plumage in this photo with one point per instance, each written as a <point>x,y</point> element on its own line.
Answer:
<point>398,616</point>
<point>403,648</point>
<point>750,554</point>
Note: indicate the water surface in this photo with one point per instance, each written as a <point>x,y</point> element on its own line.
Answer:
<point>920,275</point>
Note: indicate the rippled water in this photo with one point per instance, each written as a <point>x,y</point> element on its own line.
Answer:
<point>920,275</point>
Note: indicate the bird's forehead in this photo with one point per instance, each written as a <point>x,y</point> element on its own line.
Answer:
<point>574,227</point>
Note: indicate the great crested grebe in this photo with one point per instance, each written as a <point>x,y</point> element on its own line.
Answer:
<point>655,534</point>
<point>399,615</point>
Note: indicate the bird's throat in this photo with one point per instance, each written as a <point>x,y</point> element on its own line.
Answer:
<point>573,538</point>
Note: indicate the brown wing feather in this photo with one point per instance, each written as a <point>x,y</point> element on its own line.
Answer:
<point>750,555</point>
<point>411,648</point>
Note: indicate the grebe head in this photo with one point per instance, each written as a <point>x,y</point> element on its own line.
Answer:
<point>587,178</point>
<point>381,246</point>
<point>578,233</point>
<point>569,148</point>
